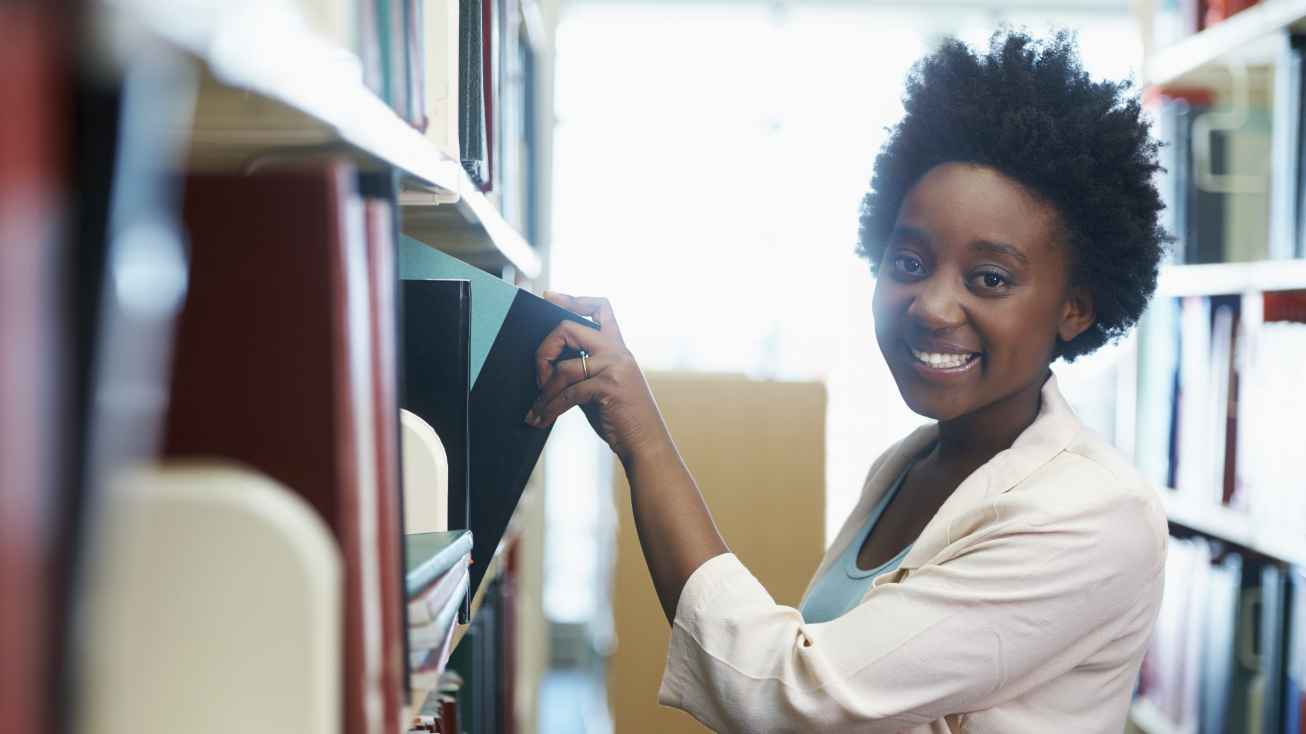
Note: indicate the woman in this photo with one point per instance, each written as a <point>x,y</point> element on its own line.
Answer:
<point>1003,568</point>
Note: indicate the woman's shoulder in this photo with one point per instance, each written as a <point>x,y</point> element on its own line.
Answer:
<point>1092,486</point>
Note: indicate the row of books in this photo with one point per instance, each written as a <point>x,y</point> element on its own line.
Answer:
<point>1219,396</point>
<point>275,379</point>
<point>1174,20</point>
<point>477,692</point>
<point>1228,655</point>
<point>285,358</point>
<point>204,378</point>
<point>1232,167</point>
<point>458,70</point>
<point>436,582</point>
<point>1215,180</point>
<point>305,363</point>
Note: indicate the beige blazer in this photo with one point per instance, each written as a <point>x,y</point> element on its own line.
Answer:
<point>1024,606</point>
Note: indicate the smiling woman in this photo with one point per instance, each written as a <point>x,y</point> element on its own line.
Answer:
<point>1002,570</point>
<point>975,292</point>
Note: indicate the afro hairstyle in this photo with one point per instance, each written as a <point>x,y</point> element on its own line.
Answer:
<point>1027,109</point>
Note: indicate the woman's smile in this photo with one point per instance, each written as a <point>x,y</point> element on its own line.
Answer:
<point>943,363</point>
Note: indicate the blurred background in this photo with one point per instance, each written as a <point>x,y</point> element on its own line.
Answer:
<point>206,204</point>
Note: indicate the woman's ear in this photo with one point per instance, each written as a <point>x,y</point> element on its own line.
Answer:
<point>1078,313</point>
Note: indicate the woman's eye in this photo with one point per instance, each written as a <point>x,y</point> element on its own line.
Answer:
<point>990,280</point>
<point>908,265</point>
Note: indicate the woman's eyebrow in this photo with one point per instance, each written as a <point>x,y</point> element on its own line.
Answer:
<point>908,232</point>
<point>999,248</point>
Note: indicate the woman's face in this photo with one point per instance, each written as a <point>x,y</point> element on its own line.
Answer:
<point>973,291</point>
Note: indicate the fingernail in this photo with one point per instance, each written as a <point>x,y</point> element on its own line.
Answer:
<point>531,418</point>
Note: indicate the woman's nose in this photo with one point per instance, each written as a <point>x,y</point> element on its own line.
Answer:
<point>937,305</point>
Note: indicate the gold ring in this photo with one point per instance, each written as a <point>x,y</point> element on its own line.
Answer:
<point>585,363</point>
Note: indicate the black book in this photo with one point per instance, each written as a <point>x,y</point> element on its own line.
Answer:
<point>472,131</point>
<point>507,326</point>
<point>437,380</point>
<point>437,374</point>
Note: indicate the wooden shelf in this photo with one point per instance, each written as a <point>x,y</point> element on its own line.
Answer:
<point>272,90</point>
<point>1229,278</point>
<point>1251,37</point>
<point>1149,719</point>
<point>1223,523</point>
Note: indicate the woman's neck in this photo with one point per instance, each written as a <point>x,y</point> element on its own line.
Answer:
<point>969,441</point>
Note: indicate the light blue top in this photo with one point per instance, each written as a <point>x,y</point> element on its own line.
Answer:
<point>843,584</point>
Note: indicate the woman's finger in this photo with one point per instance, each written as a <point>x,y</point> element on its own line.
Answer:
<point>567,335</point>
<point>569,372</point>
<point>599,309</point>
<point>575,394</point>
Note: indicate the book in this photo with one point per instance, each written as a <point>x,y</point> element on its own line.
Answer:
<point>1272,402</point>
<point>507,326</point>
<point>1158,359</point>
<point>430,555</point>
<point>426,477</point>
<point>1217,653</point>
<point>1294,692</point>
<point>392,45</point>
<point>1275,610</point>
<point>272,368</point>
<point>437,386</point>
<point>428,636</point>
<point>427,603</point>
<point>369,46</point>
<point>415,62</point>
<point>39,442</point>
<point>491,14</point>
<point>213,587</point>
<point>472,133</point>
<point>383,311</point>
<point>441,73</point>
<point>1193,477</point>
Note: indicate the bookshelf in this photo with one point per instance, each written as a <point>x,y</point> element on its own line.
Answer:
<point>272,89</point>
<point>1251,37</point>
<point>1212,379</point>
<point>1228,278</point>
<point>271,197</point>
<point>1226,524</point>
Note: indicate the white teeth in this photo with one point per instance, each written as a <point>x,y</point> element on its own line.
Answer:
<point>942,361</point>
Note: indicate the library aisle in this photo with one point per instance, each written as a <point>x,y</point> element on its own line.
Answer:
<point>271,279</point>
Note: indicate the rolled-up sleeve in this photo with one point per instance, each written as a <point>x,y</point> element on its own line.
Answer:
<point>1015,605</point>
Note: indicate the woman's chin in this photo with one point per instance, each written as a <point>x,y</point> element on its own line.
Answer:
<point>928,403</point>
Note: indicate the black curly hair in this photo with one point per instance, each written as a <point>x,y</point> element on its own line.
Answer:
<point>1028,110</point>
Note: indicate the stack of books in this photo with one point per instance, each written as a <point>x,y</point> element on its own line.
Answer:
<point>457,70</point>
<point>436,578</point>
<point>1228,650</point>
<point>440,713</point>
<point>1219,398</point>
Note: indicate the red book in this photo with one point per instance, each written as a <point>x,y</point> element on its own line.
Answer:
<point>273,368</point>
<point>383,277</point>
<point>34,434</point>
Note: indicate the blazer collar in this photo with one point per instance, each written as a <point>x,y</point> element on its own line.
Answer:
<point>1051,432</point>
<point>1053,429</point>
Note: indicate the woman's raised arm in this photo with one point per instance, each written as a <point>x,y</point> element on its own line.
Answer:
<point>675,528</point>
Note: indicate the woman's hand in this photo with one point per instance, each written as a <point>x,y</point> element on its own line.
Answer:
<point>614,395</point>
